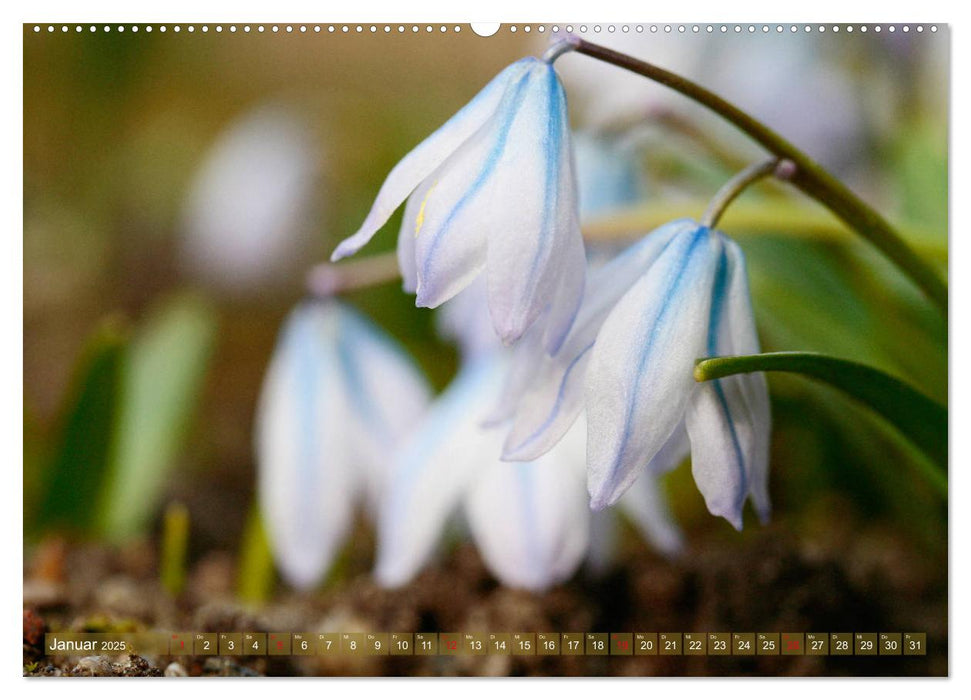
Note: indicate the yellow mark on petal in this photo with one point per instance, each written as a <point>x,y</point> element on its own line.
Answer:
<point>420,219</point>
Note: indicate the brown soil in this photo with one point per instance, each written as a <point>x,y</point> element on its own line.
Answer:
<point>766,582</point>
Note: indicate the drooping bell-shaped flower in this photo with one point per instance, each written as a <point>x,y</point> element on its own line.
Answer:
<point>337,399</point>
<point>246,214</point>
<point>493,190</point>
<point>692,302</point>
<point>530,521</point>
<point>678,295</point>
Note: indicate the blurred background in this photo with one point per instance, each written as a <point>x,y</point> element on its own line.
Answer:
<point>159,265</point>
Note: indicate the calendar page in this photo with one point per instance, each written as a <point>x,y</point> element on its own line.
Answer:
<point>447,349</point>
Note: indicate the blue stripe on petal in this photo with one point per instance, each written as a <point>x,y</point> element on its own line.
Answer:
<point>554,118</point>
<point>719,301</point>
<point>492,159</point>
<point>310,354</point>
<point>678,280</point>
<point>555,410</point>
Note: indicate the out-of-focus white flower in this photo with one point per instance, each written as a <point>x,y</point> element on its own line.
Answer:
<point>338,398</point>
<point>678,295</point>
<point>609,174</point>
<point>493,189</point>
<point>246,213</point>
<point>530,521</point>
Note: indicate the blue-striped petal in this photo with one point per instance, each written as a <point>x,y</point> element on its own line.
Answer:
<point>387,396</point>
<point>425,158</point>
<point>640,374</point>
<point>535,259</point>
<point>645,506</point>
<point>530,521</point>
<point>406,240</point>
<point>728,419</point>
<point>547,405</point>
<point>431,473</point>
<point>744,340</point>
<point>338,397</point>
<point>306,479</point>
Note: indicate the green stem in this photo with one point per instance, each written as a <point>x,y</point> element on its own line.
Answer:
<point>256,571</point>
<point>734,187</point>
<point>175,545</point>
<point>809,176</point>
<point>922,420</point>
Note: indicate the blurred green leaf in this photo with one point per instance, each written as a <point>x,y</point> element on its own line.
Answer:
<point>823,297</point>
<point>920,419</point>
<point>256,572</point>
<point>824,460</point>
<point>921,175</point>
<point>70,480</point>
<point>175,545</point>
<point>161,382</point>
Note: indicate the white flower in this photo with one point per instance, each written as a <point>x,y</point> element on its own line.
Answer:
<point>676,296</point>
<point>246,214</point>
<point>530,521</point>
<point>493,189</point>
<point>337,399</point>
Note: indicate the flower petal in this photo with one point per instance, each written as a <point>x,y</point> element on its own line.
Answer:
<point>728,419</point>
<point>744,340</point>
<point>426,157</point>
<point>718,445</point>
<point>530,521</point>
<point>640,373</point>
<point>552,398</point>
<point>406,240</point>
<point>386,393</point>
<point>548,408</point>
<point>464,319</point>
<point>306,477</point>
<point>430,474</point>
<point>535,251</point>
<point>676,450</point>
<point>524,360</point>
<point>456,213</point>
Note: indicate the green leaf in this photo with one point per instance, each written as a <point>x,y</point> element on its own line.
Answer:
<point>161,382</point>
<point>71,477</point>
<point>175,546</point>
<point>256,571</point>
<point>922,420</point>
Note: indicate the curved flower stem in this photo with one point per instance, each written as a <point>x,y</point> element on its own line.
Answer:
<point>735,186</point>
<point>809,176</point>
<point>327,279</point>
<point>560,47</point>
